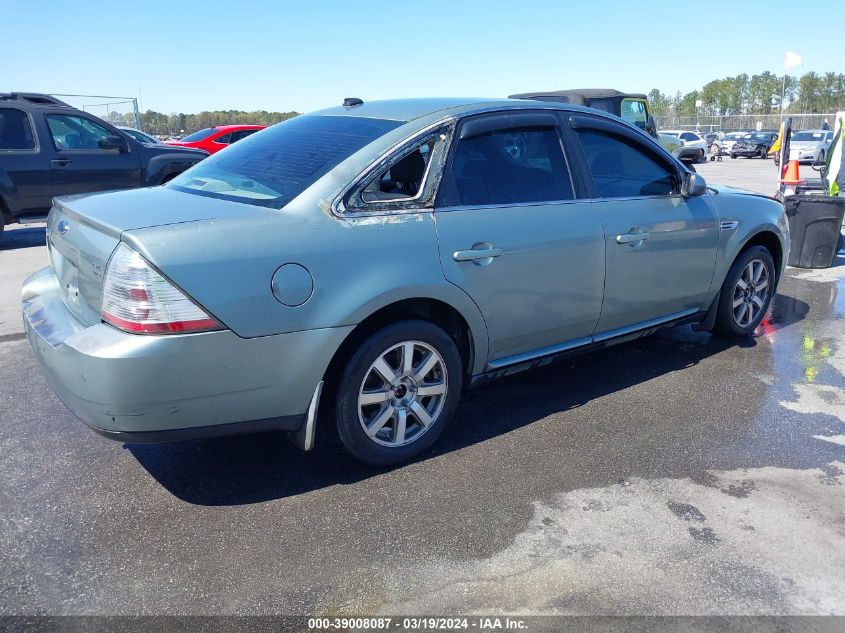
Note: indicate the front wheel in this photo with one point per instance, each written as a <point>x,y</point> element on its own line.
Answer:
<point>763,153</point>
<point>701,157</point>
<point>398,392</point>
<point>746,293</point>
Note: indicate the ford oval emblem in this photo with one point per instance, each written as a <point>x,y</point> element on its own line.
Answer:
<point>63,227</point>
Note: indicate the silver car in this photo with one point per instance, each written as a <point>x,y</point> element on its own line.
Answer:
<point>809,146</point>
<point>362,264</point>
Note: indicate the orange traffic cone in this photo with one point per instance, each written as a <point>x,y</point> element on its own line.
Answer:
<point>790,176</point>
<point>790,180</point>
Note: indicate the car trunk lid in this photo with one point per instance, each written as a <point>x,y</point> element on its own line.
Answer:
<point>84,230</point>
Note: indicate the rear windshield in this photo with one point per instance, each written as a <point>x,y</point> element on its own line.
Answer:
<point>272,167</point>
<point>198,136</point>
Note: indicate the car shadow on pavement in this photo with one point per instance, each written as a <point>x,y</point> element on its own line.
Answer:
<point>257,468</point>
<point>24,237</point>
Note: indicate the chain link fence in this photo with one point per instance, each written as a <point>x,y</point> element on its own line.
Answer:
<point>737,122</point>
<point>115,110</point>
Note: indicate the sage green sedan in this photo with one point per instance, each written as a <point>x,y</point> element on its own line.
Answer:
<point>362,264</point>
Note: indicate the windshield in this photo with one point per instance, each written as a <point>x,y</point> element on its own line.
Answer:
<point>734,136</point>
<point>807,136</point>
<point>139,136</point>
<point>272,167</point>
<point>198,136</point>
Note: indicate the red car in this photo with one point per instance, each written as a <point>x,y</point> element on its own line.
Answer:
<point>213,139</point>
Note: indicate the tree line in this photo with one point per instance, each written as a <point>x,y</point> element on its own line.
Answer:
<point>756,94</point>
<point>174,124</point>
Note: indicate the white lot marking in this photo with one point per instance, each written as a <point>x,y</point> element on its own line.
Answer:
<point>757,541</point>
<point>823,399</point>
<point>835,439</point>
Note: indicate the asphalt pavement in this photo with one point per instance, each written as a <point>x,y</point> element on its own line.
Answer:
<point>678,474</point>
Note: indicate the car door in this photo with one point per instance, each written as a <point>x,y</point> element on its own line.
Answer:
<point>660,245</point>
<point>81,165</point>
<point>23,165</point>
<point>514,236</point>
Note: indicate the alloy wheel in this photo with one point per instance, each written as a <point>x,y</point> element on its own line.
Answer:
<point>402,394</point>
<point>751,292</point>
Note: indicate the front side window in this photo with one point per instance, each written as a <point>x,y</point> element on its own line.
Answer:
<point>622,168</point>
<point>15,130</point>
<point>509,165</point>
<point>272,168</point>
<point>71,132</point>
<point>633,111</point>
<point>140,136</point>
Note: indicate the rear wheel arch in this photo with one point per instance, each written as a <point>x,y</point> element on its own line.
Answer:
<point>435,311</point>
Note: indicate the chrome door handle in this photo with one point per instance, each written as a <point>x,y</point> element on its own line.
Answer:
<point>473,254</point>
<point>628,238</point>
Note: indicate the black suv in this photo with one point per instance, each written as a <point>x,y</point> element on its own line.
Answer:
<point>48,148</point>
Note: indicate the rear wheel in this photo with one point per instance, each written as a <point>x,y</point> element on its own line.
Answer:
<point>733,155</point>
<point>821,157</point>
<point>746,293</point>
<point>398,392</point>
<point>701,157</point>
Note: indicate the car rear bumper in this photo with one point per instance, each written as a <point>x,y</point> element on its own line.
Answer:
<point>159,388</point>
<point>687,153</point>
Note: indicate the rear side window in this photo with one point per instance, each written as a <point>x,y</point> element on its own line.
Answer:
<point>633,111</point>
<point>507,166</point>
<point>622,169</point>
<point>15,130</point>
<point>271,168</point>
<point>223,140</point>
<point>241,134</point>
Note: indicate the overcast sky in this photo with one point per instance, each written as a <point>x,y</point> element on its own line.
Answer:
<point>189,56</point>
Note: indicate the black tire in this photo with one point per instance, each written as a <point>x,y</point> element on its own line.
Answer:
<point>726,324</point>
<point>763,153</point>
<point>358,369</point>
<point>821,157</point>
<point>702,157</point>
<point>733,155</point>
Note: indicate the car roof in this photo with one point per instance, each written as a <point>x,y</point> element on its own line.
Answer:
<point>579,96</point>
<point>229,128</point>
<point>409,109</point>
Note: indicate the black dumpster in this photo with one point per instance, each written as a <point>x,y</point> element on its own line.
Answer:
<point>814,227</point>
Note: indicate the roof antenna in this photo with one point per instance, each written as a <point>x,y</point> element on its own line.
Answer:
<point>351,102</point>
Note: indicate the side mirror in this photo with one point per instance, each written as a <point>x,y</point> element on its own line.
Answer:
<point>112,142</point>
<point>693,185</point>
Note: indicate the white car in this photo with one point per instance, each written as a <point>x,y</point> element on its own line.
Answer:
<point>809,146</point>
<point>695,147</point>
<point>729,140</point>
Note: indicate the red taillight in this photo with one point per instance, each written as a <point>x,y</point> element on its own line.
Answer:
<point>136,298</point>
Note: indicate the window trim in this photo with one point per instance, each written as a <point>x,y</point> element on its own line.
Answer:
<point>555,114</point>
<point>429,186</point>
<point>89,151</point>
<point>216,139</point>
<point>35,139</point>
<point>636,136</point>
